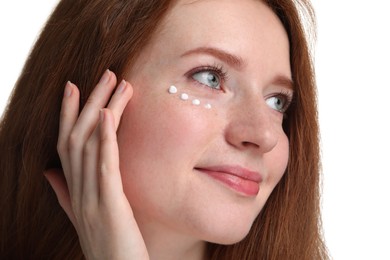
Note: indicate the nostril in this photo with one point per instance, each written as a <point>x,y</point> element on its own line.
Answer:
<point>249,144</point>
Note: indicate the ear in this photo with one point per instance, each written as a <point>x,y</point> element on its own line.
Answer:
<point>58,182</point>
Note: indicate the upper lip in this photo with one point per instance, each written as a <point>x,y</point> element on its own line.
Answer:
<point>235,170</point>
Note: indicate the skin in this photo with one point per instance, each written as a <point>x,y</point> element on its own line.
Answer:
<point>153,161</point>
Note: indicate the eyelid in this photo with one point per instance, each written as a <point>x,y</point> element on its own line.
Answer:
<point>289,97</point>
<point>215,68</point>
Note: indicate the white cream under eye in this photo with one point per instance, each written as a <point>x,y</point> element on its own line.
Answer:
<point>173,90</point>
<point>208,78</point>
<point>184,96</point>
<point>196,102</point>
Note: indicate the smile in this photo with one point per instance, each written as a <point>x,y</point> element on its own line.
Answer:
<point>241,180</point>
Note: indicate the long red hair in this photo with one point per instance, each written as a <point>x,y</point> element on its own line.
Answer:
<point>80,40</point>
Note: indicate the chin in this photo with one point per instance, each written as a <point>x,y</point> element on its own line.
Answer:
<point>229,239</point>
<point>227,234</point>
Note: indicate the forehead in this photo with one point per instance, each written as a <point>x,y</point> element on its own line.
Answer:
<point>248,29</point>
<point>246,24</point>
<point>214,17</point>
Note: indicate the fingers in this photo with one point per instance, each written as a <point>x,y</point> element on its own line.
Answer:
<point>97,100</point>
<point>118,102</point>
<point>109,177</point>
<point>69,111</point>
<point>91,192</point>
<point>68,118</point>
<point>83,128</point>
<point>91,162</point>
<point>80,136</point>
<point>72,131</point>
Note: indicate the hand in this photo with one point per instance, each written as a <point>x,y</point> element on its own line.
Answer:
<point>90,189</point>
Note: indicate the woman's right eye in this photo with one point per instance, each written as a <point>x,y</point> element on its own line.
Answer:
<point>208,78</point>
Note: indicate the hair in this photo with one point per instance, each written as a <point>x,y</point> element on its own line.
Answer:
<point>79,42</point>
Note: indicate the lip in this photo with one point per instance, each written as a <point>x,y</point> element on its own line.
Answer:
<point>240,179</point>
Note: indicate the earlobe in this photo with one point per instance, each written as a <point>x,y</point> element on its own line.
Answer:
<point>57,181</point>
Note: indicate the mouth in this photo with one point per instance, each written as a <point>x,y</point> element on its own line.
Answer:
<point>239,179</point>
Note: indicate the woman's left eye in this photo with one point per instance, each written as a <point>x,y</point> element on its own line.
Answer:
<point>279,103</point>
<point>208,78</point>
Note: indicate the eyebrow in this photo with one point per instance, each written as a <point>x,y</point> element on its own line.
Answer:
<point>284,82</point>
<point>230,59</point>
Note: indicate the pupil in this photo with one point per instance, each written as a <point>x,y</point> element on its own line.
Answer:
<point>212,78</point>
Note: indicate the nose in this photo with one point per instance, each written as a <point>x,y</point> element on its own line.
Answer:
<point>251,127</point>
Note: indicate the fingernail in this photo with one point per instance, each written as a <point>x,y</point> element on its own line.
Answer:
<point>121,86</point>
<point>105,77</point>
<point>101,114</point>
<point>68,89</point>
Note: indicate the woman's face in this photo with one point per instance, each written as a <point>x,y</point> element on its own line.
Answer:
<point>206,170</point>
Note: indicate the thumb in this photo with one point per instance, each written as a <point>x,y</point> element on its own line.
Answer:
<point>57,181</point>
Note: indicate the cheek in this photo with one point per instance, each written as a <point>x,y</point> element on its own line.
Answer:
<point>167,121</point>
<point>278,160</point>
<point>161,137</point>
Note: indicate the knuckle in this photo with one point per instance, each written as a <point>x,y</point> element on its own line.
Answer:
<point>104,168</point>
<point>91,101</point>
<point>89,147</point>
<point>104,137</point>
<point>108,137</point>
<point>74,141</point>
<point>61,148</point>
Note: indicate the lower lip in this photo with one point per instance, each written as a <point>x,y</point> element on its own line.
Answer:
<point>241,185</point>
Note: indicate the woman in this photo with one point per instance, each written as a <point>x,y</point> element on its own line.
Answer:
<point>207,149</point>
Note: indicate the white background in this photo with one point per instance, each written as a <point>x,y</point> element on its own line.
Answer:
<point>352,62</point>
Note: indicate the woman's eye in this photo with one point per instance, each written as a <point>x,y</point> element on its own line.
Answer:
<point>279,103</point>
<point>208,78</point>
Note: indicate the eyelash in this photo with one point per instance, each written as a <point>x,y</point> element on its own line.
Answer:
<point>219,70</point>
<point>288,96</point>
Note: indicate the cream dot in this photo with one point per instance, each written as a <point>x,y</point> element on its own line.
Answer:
<point>208,106</point>
<point>172,90</point>
<point>184,96</point>
<point>196,102</point>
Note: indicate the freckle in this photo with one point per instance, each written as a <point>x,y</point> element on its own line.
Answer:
<point>208,106</point>
<point>196,102</point>
<point>172,90</point>
<point>184,96</point>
